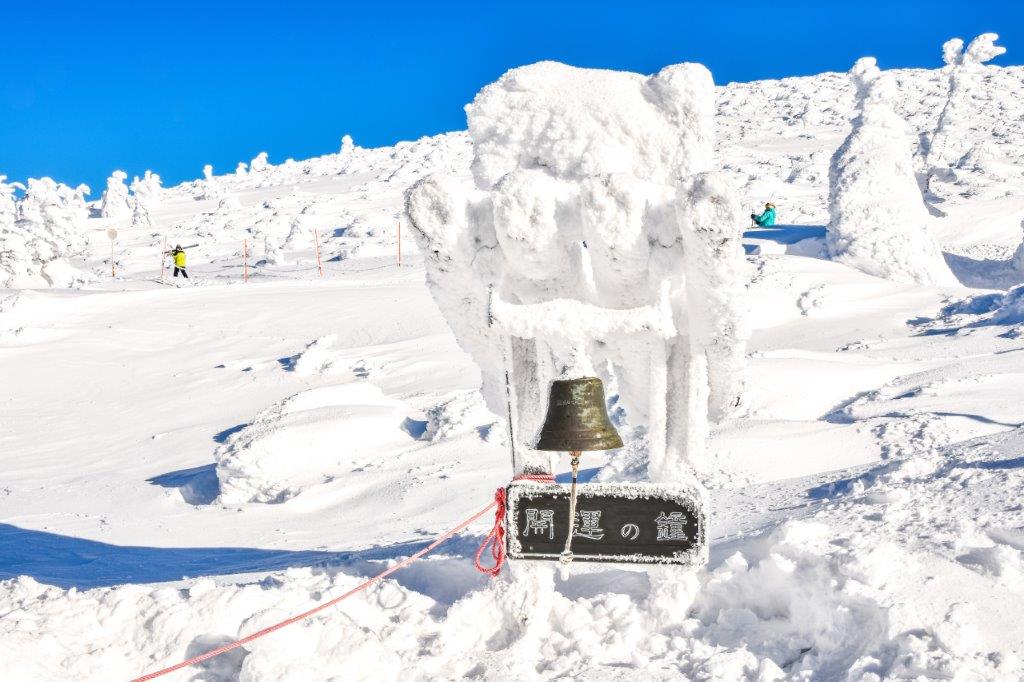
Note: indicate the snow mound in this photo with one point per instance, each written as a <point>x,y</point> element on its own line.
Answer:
<point>317,358</point>
<point>462,413</point>
<point>306,439</point>
<point>792,605</point>
<point>984,310</point>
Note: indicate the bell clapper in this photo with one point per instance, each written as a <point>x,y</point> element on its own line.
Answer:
<point>566,557</point>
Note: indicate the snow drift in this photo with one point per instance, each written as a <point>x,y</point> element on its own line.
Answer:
<point>311,437</point>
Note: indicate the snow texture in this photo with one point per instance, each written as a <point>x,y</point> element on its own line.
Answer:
<point>878,221</point>
<point>315,435</point>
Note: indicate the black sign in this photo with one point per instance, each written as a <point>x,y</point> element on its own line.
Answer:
<point>615,522</point>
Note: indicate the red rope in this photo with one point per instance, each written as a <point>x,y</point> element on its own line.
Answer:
<point>496,537</point>
<point>302,616</point>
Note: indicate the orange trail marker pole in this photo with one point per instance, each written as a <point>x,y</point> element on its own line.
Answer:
<point>316,245</point>
<point>245,260</point>
<point>113,273</point>
<point>163,258</point>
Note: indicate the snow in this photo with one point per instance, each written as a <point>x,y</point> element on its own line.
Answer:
<point>183,466</point>
<point>336,428</point>
<point>878,219</point>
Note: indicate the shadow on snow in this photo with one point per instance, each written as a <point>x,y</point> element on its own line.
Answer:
<point>67,562</point>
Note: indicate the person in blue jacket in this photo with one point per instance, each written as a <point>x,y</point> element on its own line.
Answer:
<point>767,218</point>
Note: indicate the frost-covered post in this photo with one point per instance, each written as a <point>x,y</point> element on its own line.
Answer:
<point>878,222</point>
<point>619,215</point>
<point>965,69</point>
<point>114,203</point>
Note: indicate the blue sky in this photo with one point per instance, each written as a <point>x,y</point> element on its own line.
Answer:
<point>89,87</point>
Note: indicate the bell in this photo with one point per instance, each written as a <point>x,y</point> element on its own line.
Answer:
<point>577,419</point>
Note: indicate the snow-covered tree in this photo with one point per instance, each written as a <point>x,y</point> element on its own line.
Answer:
<point>8,203</point>
<point>141,218</point>
<point>14,254</point>
<point>964,69</point>
<point>259,163</point>
<point>46,231</point>
<point>347,145</point>
<point>241,168</point>
<point>567,156</point>
<point>146,191</point>
<point>114,203</point>
<point>209,187</point>
<point>878,221</point>
<point>75,199</point>
<point>147,188</point>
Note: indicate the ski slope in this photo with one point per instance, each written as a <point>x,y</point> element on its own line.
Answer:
<point>188,462</point>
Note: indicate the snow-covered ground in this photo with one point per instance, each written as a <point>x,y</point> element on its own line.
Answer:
<point>187,462</point>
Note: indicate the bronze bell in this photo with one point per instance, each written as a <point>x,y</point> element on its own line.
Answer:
<point>577,419</point>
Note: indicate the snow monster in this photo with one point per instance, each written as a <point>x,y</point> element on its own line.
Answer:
<point>595,217</point>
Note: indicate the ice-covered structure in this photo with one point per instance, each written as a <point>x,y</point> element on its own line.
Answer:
<point>114,203</point>
<point>878,222</point>
<point>595,242</point>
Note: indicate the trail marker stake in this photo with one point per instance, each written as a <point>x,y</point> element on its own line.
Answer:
<point>163,258</point>
<point>245,260</point>
<point>112,235</point>
<point>316,246</point>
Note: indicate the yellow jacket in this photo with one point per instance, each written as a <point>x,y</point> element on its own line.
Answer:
<point>179,259</point>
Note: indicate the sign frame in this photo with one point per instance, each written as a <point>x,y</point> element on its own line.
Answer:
<point>677,496</point>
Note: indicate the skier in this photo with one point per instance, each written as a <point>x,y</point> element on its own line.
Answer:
<point>178,254</point>
<point>767,218</point>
